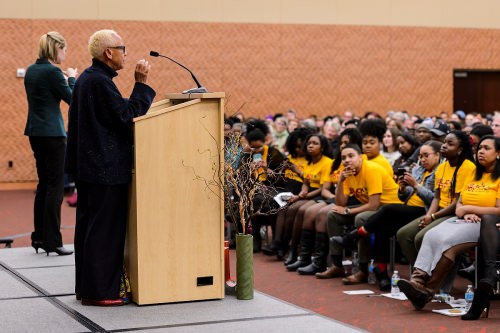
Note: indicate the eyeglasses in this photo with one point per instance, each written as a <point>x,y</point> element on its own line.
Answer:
<point>426,156</point>
<point>120,47</point>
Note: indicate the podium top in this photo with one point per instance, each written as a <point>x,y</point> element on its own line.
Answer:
<point>174,96</point>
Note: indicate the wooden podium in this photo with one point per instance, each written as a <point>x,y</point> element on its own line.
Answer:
<point>175,238</point>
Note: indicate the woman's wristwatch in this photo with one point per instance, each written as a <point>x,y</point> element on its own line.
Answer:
<point>347,211</point>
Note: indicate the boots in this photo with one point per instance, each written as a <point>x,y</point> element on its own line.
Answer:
<point>319,259</point>
<point>421,288</point>
<point>415,288</point>
<point>384,283</point>
<point>349,240</point>
<point>292,256</point>
<point>305,252</point>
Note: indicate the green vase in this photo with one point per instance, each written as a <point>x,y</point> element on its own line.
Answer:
<point>244,266</point>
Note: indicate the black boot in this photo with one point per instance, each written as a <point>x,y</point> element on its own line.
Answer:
<point>292,256</point>
<point>349,240</point>
<point>384,282</point>
<point>318,263</point>
<point>480,303</point>
<point>306,247</point>
<point>272,249</point>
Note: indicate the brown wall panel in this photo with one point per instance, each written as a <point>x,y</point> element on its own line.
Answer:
<point>315,69</point>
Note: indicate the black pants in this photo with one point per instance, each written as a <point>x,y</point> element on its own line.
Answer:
<point>385,223</point>
<point>49,155</point>
<point>101,221</point>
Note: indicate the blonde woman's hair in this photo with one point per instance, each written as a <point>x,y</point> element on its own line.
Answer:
<point>50,44</point>
<point>101,40</point>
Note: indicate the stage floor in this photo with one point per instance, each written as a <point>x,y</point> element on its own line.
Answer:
<point>37,295</point>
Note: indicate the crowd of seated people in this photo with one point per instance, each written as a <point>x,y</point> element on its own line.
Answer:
<point>432,182</point>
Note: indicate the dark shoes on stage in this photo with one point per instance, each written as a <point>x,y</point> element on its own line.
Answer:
<point>36,244</point>
<point>104,302</point>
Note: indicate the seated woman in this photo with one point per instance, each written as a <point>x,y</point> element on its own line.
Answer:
<point>294,171</point>
<point>268,162</point>
<point>489,242</point>
<point>372,186</point>
<point>314,235</point>
<point>480,196</point>
<point>318,156</point>
<point>407,144</point>
<point>450,179</point>
<point>416,190</point>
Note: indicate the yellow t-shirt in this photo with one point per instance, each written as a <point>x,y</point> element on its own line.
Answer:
<point>372,179</point>
<point>444,175</point>
<point>261,172</point>
<point>314,172</point>
<point>383,162</point>
<point>300,162</point>
<point>483,192</point>
<point>333,177</point>
<point>415,200</point>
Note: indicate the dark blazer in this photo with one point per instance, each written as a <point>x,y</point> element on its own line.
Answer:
<point>45,87</point>
<point>100,136</point>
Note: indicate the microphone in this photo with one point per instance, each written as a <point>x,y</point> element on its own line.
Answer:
<point>199,89</point>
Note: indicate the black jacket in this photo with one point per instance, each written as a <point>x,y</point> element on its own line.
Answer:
<point>100,137</point>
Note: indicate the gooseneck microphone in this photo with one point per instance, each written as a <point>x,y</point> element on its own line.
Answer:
<point>200,88</point>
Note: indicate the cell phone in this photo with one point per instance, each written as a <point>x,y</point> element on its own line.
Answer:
<point>257,157</point>
<point>401,171</point>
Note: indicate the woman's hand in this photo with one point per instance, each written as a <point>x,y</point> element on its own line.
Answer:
<point>338,209</point>
<point>472,218</point>
<point>71,72</point>
<point>409,180</point>
<point>424,221</point>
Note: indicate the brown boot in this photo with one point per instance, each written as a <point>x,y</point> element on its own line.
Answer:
<point>415,289</point>
<point>421,293</point>
<point>359,277</point>
<point>439,273</point>
<point>331,272</point>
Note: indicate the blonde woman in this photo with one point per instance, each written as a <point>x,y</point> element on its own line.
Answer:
<point>46,85</point>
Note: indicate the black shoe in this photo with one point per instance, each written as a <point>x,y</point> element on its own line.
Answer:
<point>480,303</point>
<point>292,257</point>
<point>59,250</point>
<point>311,269</point>
<point>268,250</point>
<point>384,283</point>
<point>298,264</point>
<point>349,240</point>
<point>36,244</point>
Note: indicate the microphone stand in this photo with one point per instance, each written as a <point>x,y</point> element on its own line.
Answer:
<point>198,90</point>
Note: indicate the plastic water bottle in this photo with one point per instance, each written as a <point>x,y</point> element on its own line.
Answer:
<point>469,296</point>
<point>355,263</point>
<point>394,284</point>
<point>372,279</point>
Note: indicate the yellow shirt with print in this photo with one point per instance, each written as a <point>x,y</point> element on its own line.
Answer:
<point>372,179</point>
<point>483,192</point>
<point>333,177</point>
<point>314,172</point>
<point>300,162</point>
<point>444,175</point>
